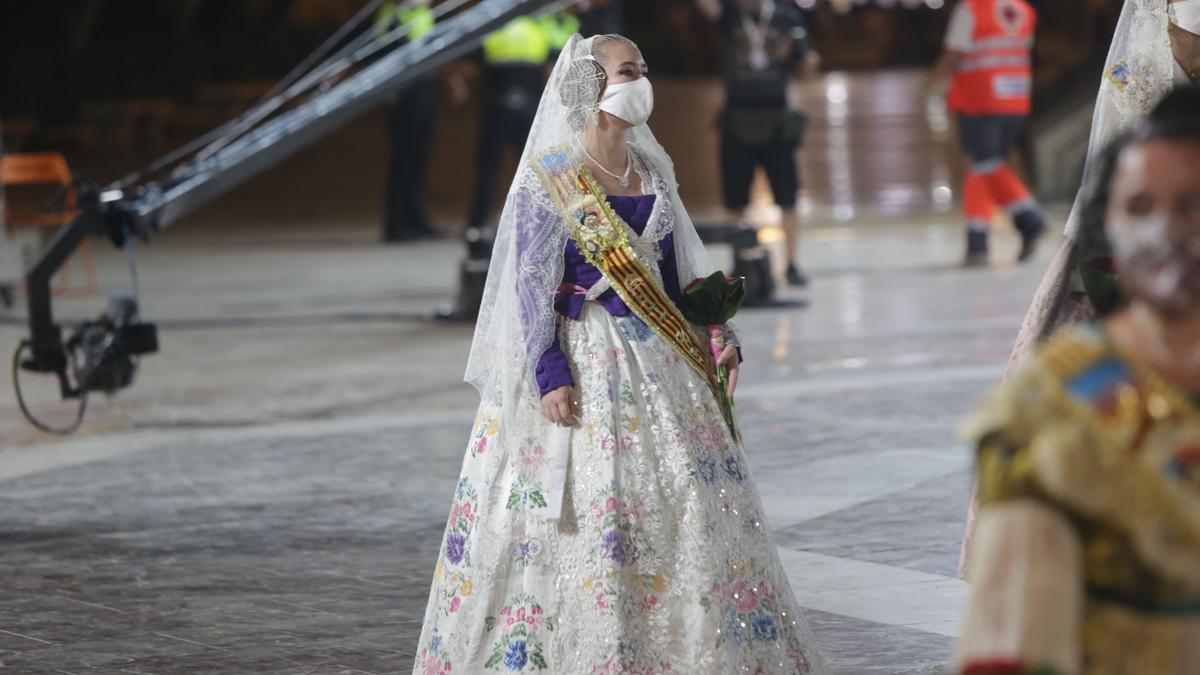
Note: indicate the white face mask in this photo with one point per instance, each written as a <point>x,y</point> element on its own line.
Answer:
<point>1160,260</point>
<point>630,101</point>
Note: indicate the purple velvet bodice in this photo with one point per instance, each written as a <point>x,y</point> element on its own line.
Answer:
<point>553,370</point>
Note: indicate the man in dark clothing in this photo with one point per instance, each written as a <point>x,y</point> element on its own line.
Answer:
<point>762,44</point>
<point>512,78</point>
<point>411,126</point>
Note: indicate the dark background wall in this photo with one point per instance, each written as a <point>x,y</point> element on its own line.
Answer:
<point>56,56</point>
<point>115,83</point>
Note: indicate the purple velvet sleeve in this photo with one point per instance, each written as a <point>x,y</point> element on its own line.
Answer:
<point>552,370</point>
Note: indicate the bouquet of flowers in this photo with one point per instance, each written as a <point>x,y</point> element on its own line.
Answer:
<point>711,302</point>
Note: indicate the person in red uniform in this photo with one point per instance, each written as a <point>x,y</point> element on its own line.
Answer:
<point>987,63</point>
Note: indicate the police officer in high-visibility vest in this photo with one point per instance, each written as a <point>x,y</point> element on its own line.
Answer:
<point>411,122</point>
<point>558,27</point>
<point>513,75</point>
<point>987,60</point>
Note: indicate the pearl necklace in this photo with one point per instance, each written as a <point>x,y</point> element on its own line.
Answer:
<point>623,179</point>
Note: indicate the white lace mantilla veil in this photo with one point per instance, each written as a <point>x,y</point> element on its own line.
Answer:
<point>517,319</point>
<point>1139,71</point>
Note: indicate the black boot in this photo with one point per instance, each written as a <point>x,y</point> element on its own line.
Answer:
<point>795,277</point>
<point>977,249</point>
<point>1031,226</point>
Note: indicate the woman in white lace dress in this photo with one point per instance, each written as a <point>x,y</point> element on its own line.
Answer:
<point>605,520</point>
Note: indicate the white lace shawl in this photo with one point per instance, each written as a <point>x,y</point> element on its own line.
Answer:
<point>1139,71</point>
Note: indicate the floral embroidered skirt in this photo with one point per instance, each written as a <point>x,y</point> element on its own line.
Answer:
<point>661,561</point>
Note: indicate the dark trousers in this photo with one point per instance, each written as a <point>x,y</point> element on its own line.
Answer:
<point>506,115</point>
<point>754,136</point>
<point>738,162</point>
<point>989,138</point>
<point>990,183</point>
<point>412,126</point>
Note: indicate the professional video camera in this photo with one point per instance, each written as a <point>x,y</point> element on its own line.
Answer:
<point>104,352</point>
<point>102,355</point>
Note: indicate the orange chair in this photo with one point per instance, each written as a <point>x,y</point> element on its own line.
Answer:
<point>47,168</point>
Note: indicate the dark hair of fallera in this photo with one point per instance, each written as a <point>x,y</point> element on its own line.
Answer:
<point>1176,118</point>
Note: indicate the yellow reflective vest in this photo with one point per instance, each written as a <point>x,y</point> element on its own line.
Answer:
<point>391,15</point>
<point>559,27</point>
<point>522,40</point>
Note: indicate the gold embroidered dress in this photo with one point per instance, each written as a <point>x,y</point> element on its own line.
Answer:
<point>1087,553</point>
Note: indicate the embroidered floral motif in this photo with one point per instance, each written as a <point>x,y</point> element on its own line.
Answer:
<point>733,469</point>
<point>750,611</point>
<point>524,552</point>
<point>463,513</point>
<point>524,493</point>
<point>456,589</point>
<point>455,547</point>
<point>703,435</point>
<point>619,522</point>
<point>484,437</point>
<point>517,655</point>
<point>618,547</point>
<point>433,659</point>
<point>706,469</point>
<point>630,593</point>
<point>520,622</point>
<point>605,443</point>
<point>531,458</point>
<point>627,444</point>
<point>764,627</point>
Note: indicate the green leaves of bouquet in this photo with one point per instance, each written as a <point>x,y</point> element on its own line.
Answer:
<point>1102,285</point>
<point>711,302</point>
<point>714,299</point>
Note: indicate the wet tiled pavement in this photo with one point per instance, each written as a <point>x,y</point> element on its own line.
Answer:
<point>269,496</point>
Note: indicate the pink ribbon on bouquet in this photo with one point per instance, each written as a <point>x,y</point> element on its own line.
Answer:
<point>716,340</point>
<point>716,345</point>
